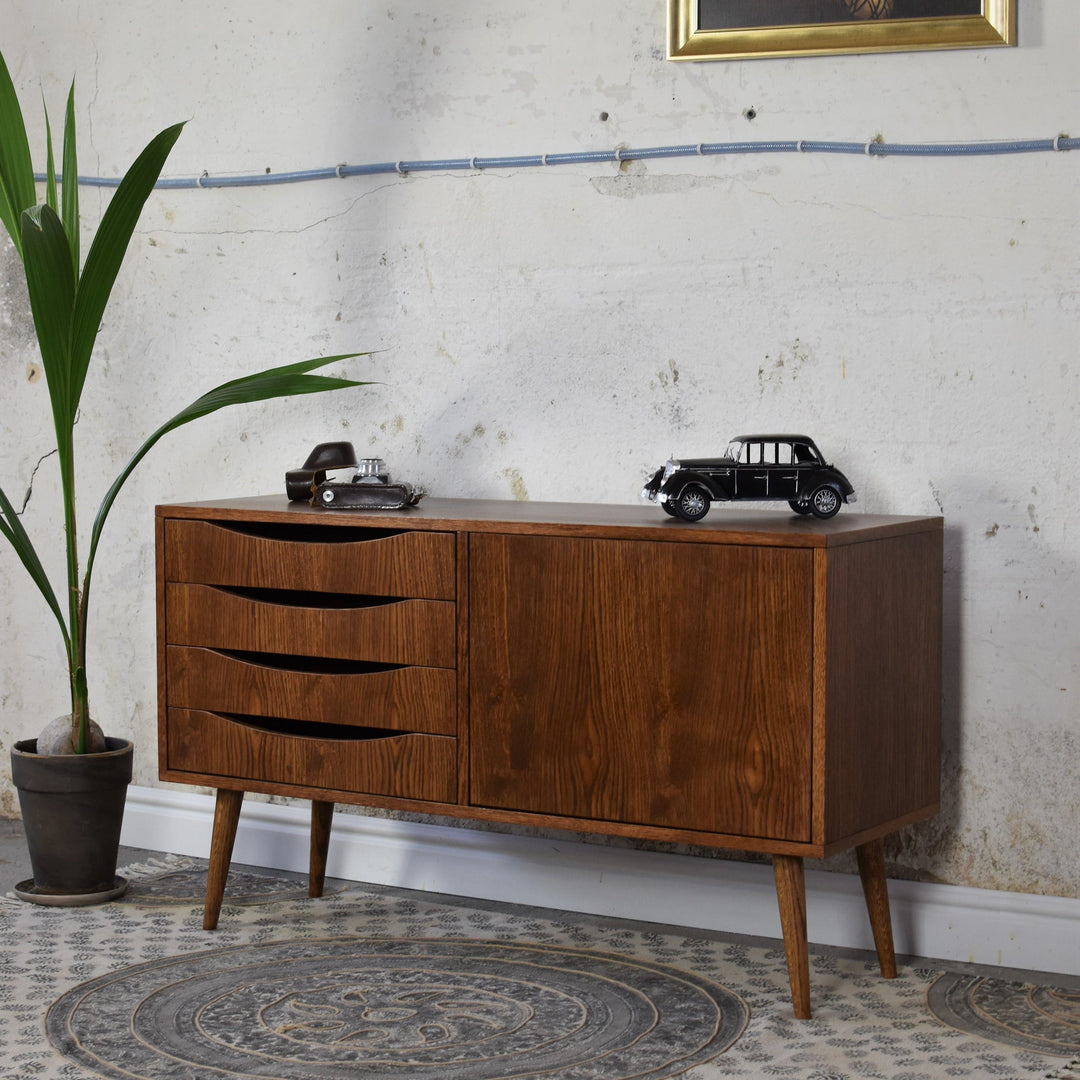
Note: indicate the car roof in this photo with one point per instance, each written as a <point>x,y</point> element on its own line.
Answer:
<point>774,438</point>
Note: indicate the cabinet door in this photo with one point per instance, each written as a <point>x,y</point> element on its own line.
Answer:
<point>664,684</point>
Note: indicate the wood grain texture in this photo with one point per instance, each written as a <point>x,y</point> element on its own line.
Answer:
<point>791,899</point>
<point>409,766</point>
<point>419,632</point>
<point>403,698</point>
<point>757,681</point>
<point>871,858</point>
<point>725,525</point>
<point>226,818</point>
<point>162,641</point>
<point>416,564</point>
<point>650,683</point>
<point>883,656</point>
<point>322,816</point>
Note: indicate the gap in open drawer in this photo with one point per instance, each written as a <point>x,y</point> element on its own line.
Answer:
<point>310,729</point>
<point>308,534</point>
<point>302,598</point>
<point>308,665</point>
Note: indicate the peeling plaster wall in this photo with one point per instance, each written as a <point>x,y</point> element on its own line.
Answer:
<point>549,334</point>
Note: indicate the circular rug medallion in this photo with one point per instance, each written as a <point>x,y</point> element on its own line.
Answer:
<point>396,1008</point>
<point>1039,1018</point>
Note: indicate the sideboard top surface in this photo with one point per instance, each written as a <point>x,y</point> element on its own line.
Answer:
<point>723,526</point>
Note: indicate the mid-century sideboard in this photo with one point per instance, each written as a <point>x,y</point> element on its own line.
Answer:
<point>757,681</point>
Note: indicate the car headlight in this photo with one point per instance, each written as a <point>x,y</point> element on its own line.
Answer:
<point>670,469</point>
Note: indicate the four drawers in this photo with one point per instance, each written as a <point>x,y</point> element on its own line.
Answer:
<point>312,656</point>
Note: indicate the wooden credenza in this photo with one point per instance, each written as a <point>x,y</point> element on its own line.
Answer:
<point>756,681</point>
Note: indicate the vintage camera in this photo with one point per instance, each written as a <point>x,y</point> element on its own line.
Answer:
<point>369,489</point>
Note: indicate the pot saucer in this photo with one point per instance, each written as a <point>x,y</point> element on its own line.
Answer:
<point>28,891</point>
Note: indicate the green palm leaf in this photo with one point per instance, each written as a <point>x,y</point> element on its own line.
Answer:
<point>109,246</point>
<point>287,381</point>
<point>17,190</point>
<point>68,307</point>
<point>50,166</point>
<point>50,281</point>
<point>69,193</point>
<point>11,528</point>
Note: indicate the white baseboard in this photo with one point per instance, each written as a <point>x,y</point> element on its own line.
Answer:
<point>941,921</point>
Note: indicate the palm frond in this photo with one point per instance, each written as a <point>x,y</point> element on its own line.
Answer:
<point>11,528</point>
<point>17,191</point>
<point>50,165</point>
<point>51,284</point>
<point>69,193</point>
<point>109,246</point>
<point>289,380</point>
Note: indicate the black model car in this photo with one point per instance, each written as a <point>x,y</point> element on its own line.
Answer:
<point>787,467</point>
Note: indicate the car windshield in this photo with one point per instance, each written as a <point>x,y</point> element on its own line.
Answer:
<point>735,448</point>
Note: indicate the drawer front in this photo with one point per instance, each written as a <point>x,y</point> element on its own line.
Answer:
<point>359,561</point>
<point>400,632</point>
<point>409,699</point>
<point>402,766</point>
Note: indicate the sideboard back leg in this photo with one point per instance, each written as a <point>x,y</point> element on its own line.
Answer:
<point>226,817</point>
<point>791,898</point>
<point>871,858</point>
<point>322,814</point>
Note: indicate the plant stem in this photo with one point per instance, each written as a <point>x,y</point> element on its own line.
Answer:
<point>76,643</point>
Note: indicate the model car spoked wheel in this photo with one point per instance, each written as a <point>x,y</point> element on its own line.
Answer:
<point>800,507</point>
<point>692,504</point>
<point>825,502</point>
<point>668,508</point>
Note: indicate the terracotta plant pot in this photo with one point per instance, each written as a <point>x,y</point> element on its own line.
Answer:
<point>72,807</point>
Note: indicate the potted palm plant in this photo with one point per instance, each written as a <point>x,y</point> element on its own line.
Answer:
<point>72,780</point>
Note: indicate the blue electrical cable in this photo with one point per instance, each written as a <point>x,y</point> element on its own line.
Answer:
<point>874,148</point>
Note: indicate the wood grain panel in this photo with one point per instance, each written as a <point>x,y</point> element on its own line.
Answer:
<point>409,766</point>
<point>652,683</point>
<point>414,564</point>
<point>403,632</point>
<point>730,524</point>
<point>883,651</point>
<point>404,699</point>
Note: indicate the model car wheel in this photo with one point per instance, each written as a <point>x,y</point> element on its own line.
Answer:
<point>668,508</point>
<point>800,507</point>
<point>825,502</point>
<point>692,504</point>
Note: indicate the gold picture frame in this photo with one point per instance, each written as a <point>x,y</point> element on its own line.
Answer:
<point>825,27</point>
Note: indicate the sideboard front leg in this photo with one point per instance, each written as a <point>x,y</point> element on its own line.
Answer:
<point>871,858</point>
<point>226,817</point>
<point>322,814</point>
<point>791,898</point>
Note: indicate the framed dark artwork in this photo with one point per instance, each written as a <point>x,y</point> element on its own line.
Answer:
<point>746,29</point>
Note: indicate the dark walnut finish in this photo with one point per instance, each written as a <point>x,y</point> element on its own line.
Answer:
<point>760,681</point>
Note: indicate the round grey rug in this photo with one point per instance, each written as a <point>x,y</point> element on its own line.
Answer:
<point>396,1008</point>
<point>1043,1019</point>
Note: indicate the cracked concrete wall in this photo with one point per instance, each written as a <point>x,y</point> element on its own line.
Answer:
<point>551,334</point>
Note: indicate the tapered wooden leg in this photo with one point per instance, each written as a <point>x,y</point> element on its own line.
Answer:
<point>871,857</point>
<point>226,816</point>
<point>791,898</point>
<point>322,814</point>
